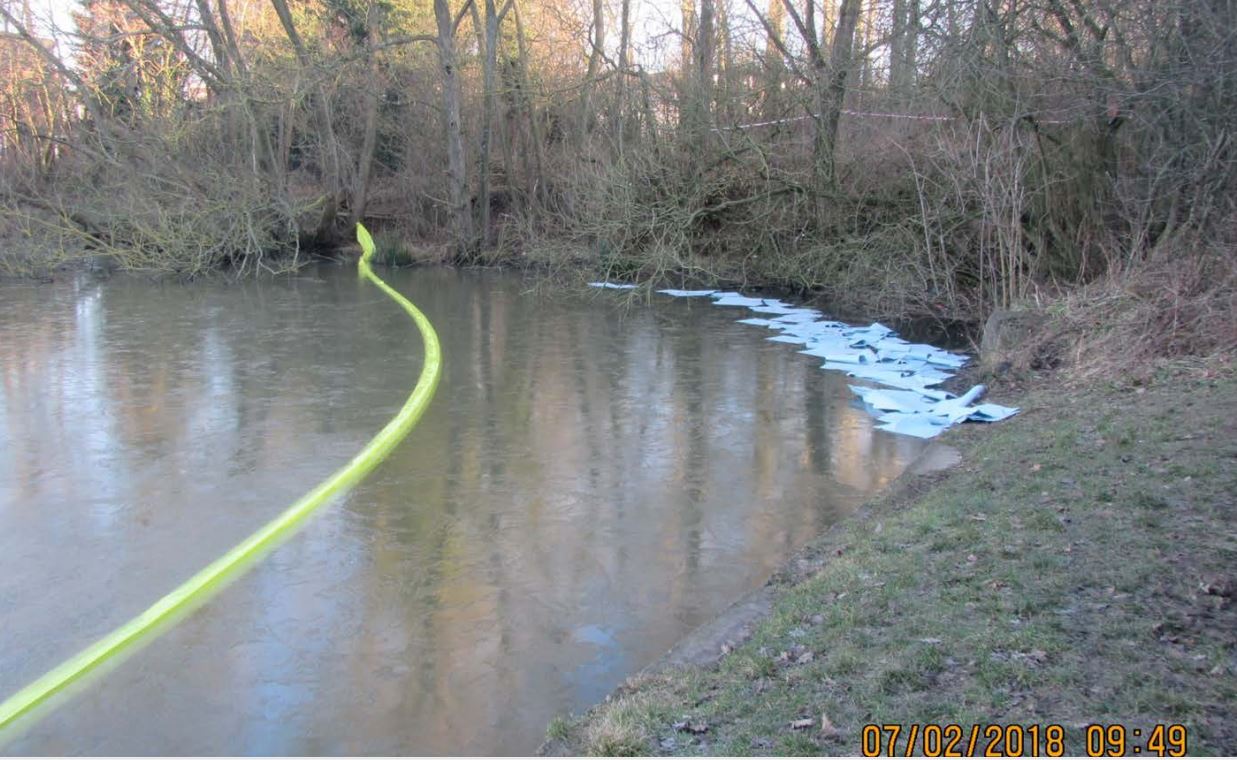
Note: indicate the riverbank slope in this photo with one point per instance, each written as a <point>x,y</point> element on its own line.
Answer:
<point>1078,567</point>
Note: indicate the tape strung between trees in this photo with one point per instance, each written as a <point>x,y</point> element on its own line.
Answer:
<point>199,587</point>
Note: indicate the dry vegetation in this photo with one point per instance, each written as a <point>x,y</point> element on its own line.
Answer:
<point>897,158</point>
<point>940,158</point>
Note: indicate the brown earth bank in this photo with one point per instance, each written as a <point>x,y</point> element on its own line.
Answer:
<point>1077,568</point>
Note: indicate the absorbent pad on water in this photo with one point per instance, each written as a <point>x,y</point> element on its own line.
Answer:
<point>908,405</point>
<point>612,285</point>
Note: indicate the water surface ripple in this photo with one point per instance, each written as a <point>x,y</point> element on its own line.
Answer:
<point>591,483</point>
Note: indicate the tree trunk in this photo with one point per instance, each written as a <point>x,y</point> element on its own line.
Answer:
<point>620,105</point>
<point>865,31</point>
<point>831,94</point>
<point>490,62</point>
<point>365,162</point>
<point>705,55</point>
<point>536,185</point>
<point>215,37</point>
<point>594,68</point>
<point>687,9</point>
<point>775,64</point>
<point>903,44</point>
<point>910,48</point>
<point>457,179</point>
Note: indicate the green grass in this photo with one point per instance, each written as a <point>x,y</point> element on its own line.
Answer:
<point>559,728</point>
<point>1077,567</point>
<point>392,249</point>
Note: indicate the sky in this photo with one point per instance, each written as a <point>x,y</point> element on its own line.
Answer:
<point>48,14</point>
<point>652,23</point>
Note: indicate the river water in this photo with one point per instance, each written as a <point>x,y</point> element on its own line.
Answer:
<point>592,482</point>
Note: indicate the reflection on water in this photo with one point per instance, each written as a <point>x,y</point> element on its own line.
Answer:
<point>590,484</point>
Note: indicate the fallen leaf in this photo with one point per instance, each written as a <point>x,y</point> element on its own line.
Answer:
<point>805,658</point>
<point>826,726</point>
<point>799,725</point>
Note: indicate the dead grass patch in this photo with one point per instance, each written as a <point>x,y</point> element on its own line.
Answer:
<point>1173,314</point>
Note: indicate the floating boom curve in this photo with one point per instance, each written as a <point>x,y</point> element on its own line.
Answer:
<point>198,587</point>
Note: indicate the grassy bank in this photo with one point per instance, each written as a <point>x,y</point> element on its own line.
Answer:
<point>1078,567</point>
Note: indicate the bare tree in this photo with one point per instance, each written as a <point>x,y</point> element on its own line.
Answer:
<point>535,174</point>
<point>705,56</point>
<point>825,71</point>
<point>457,177</point>
<point>493,18</point>
<point>595,55</point>
<point>326,232</point>
<point>903,45</point>
<point>624,66</point>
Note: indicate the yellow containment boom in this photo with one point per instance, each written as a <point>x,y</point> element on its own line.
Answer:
<point>199,587</point>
